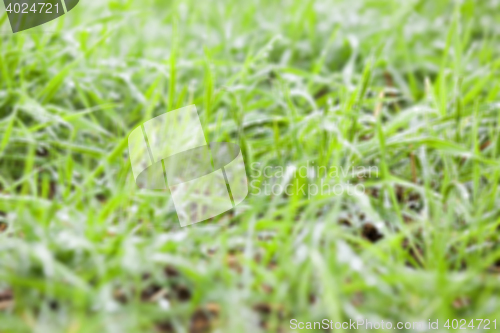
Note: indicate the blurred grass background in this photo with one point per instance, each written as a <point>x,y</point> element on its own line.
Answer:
<point>407,86</point>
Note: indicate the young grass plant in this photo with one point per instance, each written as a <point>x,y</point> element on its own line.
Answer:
<point>406,87</point>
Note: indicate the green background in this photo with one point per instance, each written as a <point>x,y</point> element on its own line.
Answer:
<point>407,86</point>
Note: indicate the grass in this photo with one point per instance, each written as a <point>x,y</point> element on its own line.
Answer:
<point>408,87</point>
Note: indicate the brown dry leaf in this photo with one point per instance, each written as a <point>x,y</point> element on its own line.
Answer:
<point>6,299</point>
<point>461,302</point>
<point>171,272</point>
<point>233,263</point>
<point>357,299</point>
<point>267,288</point>
<point>150,292</point>
<point>213,308</point>
<point>165,327</point>
<point>201,321</point>
<point>495,268</point>
<point>183,293</point>
<point>263,308</point>
<point>371,233</point>
<point>120,296</point>
<point>211,251</point>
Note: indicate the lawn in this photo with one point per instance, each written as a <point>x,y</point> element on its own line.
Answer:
<point>395,102</point>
